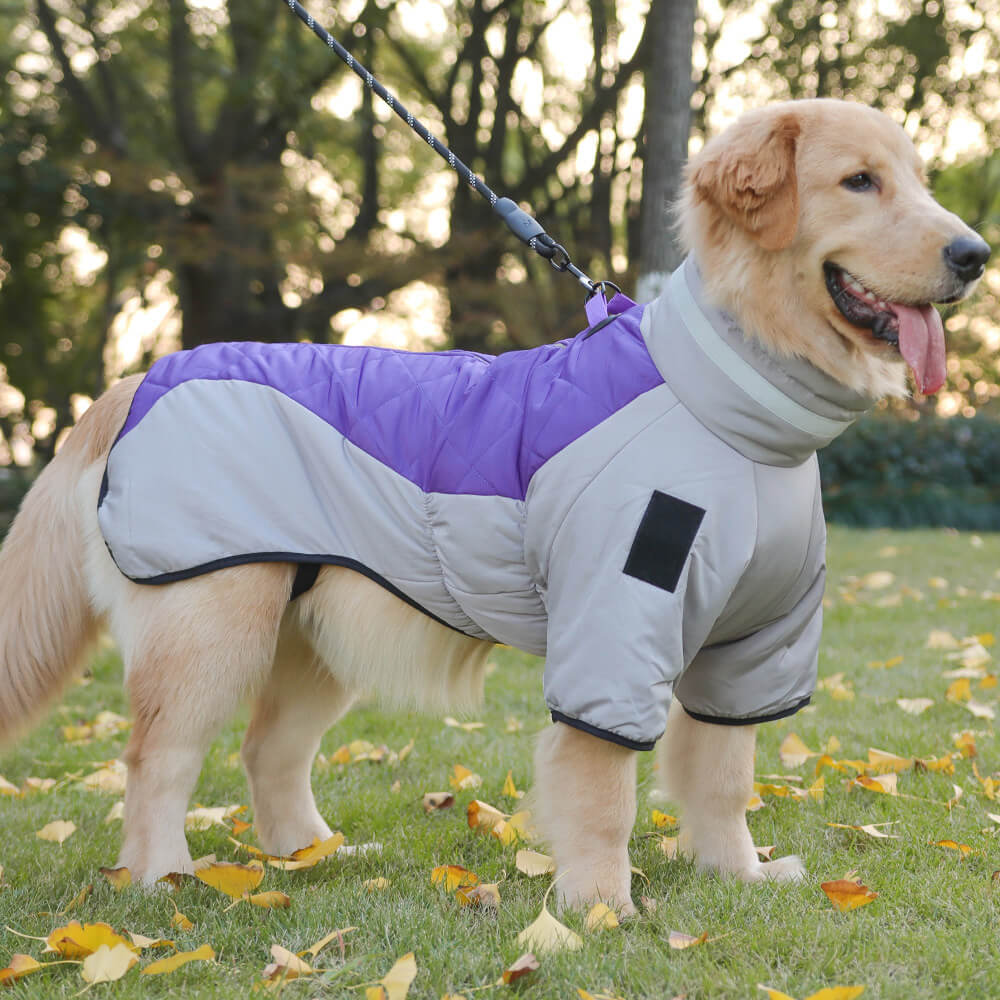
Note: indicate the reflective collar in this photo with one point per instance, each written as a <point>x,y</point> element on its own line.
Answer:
<point>770,409</point>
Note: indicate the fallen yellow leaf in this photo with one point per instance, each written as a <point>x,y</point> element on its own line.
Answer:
<point>118,877</point>
<point>379,884</point>
<point>679,941</point>
<point>77,940</point>
<point>462,778</point>
<point>396,982</point>
<point>548,934</point>
<point>453,876</point>
<point>337,935</point>
<point>509,788</point>
<point>483,816</point>
<point>272,900</point>
<point>914,706</point>
<point>794,752</point>
<point>848,894</point>
<point>108,964</point>
<point>533,863</point>
<point>662,819</point>
<point>20,966</point>
<point>882,762</point>
<point>486,895</point>
<point>882,783</point>
<point>872,829</point>
<point>232,878</point>
<point>601,917</point>
<point>951,845</point>
<point>173,962</point>
<point>57,831</point>
<point>306,857</point>
<point>286,965</point>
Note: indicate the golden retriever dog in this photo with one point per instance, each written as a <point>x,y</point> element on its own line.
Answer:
<point>815,252</point>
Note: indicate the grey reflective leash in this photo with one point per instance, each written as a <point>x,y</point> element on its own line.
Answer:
<point>522,225</point>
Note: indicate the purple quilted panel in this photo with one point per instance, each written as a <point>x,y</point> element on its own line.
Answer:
<point>451,421</point>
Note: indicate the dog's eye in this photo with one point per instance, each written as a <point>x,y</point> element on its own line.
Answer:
<point>861,181</point>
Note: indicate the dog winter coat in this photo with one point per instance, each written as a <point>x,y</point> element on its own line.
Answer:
<point>639,504</point>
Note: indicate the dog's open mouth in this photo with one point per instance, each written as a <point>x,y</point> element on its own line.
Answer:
<point>916,331</point>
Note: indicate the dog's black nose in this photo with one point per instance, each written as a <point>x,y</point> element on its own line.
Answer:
<point>967,256</point>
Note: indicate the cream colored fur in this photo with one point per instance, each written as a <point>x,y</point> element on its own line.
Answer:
<point>762,209</point>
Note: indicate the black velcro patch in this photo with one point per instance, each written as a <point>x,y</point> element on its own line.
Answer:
<point>663,541</point>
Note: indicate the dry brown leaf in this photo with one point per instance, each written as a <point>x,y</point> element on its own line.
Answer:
<point>57,831</point>
<point>848,894</point>
<point>601,917</point>
<point>486,896</point>
<point>108,964</point>
<point>520,967</point>
<point>533,863</point>
<point>206,953</point>
<point>765,852</point>
<point>679,941</point>
<point>438,800</point>
<point>232,878</point>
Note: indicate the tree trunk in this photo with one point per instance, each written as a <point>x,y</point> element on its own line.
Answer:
<point>670,24</point>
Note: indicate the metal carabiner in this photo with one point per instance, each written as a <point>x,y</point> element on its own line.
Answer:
<point>559,258</point>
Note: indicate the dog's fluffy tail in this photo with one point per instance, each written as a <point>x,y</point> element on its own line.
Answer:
<point>47,623</point>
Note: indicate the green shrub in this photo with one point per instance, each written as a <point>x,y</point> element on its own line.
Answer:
<point>890,472</point>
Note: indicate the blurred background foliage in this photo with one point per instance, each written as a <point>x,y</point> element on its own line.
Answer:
<point>179,171</point>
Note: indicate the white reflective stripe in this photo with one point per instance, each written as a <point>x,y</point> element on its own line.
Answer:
<point>742,372</point>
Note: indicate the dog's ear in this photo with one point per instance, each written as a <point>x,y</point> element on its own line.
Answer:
<point>748,174</point>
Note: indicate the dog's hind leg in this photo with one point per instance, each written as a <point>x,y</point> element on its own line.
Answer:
<point>584,805</point>
<point>708,770</point>
<point>299,702</point>
<point>193,651</point>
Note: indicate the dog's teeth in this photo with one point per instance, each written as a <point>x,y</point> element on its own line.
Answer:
<point>856,285</point>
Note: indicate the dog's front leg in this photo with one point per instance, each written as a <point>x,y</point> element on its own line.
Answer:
<point>708,770</point>
<point>584,806</point>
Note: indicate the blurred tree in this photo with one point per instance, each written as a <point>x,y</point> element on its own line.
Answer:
<point>666,128</point>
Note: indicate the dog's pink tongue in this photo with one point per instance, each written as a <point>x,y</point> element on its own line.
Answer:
<point>921,342</point>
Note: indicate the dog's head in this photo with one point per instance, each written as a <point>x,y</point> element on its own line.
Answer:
<point>814,227</point>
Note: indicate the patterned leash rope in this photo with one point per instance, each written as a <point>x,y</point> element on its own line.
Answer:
<point>519,222</point>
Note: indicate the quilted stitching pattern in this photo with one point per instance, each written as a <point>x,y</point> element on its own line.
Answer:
<point>450,422</point>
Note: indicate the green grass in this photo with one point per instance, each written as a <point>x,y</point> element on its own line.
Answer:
<point>932,932</point>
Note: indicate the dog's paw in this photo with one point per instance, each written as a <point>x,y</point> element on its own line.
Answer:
<point>788,869</point>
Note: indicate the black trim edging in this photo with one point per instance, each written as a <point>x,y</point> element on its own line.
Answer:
<point>603,734</point>
<point>751,721</point>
